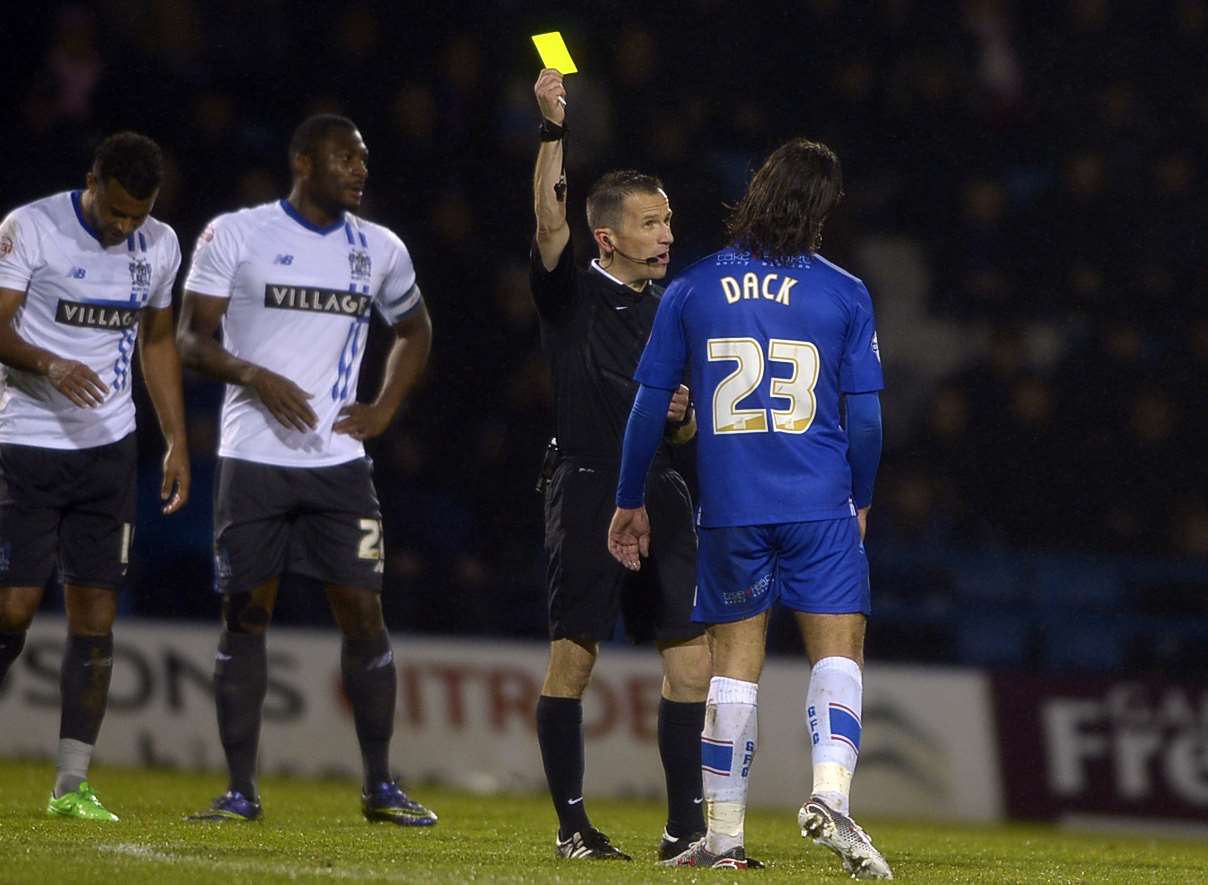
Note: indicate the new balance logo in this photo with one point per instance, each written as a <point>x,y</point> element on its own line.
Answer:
<point>348,304</point>
<point>77,273</point>
<point>287,260</point>
<point>97,316</point>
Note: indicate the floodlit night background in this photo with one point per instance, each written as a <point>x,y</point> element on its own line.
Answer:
<point>1025,199</point>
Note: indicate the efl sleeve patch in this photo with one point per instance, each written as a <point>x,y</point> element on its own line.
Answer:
<point>19,254</point>
<point>215,260</point>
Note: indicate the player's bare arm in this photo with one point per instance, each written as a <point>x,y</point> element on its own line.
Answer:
<point>71,378</point>
<point>629,537</point>
<point>552,231</point>
<point>407,358</point>
<point>200,317</point>
<point>862,521</point>
<point>160,363</point>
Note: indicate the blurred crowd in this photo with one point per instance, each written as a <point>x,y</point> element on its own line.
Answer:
<point>1025,191</point>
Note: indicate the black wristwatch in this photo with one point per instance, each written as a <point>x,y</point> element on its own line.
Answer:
<point>551,131</point>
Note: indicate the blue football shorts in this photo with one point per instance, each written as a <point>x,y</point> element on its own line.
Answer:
<point>817,567</point>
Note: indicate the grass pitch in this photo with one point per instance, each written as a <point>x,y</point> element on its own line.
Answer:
<point>313,832</point>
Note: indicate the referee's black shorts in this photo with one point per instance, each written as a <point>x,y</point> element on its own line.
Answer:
<point>587,588</point>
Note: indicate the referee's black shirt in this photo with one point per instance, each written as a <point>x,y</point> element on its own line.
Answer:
<point>593,331</point>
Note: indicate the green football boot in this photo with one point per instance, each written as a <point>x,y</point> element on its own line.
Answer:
<point>82,804</point>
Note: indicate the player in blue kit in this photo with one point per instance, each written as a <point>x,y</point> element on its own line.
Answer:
<point>782,349</point>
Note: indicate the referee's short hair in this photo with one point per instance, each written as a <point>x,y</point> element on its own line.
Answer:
<point>607,196</point>
<point>134,160</point>
<point>311,132</point>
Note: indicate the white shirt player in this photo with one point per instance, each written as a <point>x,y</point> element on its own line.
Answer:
<point>82,302</point>
<point>299,306</point>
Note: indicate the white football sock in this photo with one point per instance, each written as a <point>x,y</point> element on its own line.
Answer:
<point>71,765</point>
<point>833,709</point>
<point>727,750</point>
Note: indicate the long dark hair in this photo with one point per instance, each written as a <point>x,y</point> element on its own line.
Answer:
<point>787,202</point>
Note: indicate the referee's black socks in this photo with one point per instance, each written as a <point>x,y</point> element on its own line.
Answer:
<point>680,727</point>
<point>560,735</point>
<point>371,683</point>
<point>240,684</point>
<point>10,648</point>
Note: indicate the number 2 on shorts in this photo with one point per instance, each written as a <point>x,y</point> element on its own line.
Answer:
<point>371,540</point>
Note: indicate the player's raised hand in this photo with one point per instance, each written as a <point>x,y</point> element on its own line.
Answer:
<point>629,537</point>
<point>549,90</point>
<point>174,490</point>
<point>361,421</point>
<point>77,382</point>
<point>678,409</point>
<point>285,400</point>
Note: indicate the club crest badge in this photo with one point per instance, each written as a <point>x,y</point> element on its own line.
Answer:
<point>140,274</point>
<point>360,265</point>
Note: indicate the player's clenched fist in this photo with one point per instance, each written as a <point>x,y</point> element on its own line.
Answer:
<point>678,410</point>
<point>77,382</point>
<point>285,400</point>
<point>549,90</point>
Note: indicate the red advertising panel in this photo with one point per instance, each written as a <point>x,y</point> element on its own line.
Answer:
<point>1125,747</point>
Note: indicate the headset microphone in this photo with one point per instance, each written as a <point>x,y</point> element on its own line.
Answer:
<point>650,261</point>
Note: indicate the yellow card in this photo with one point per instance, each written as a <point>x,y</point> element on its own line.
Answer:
<point>554,53</point>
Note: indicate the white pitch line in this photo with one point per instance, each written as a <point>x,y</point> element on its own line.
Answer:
<point>143,852</point>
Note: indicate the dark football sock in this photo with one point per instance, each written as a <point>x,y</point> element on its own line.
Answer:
<point>560,736</point>
<point>240,683</point>
<point>371,683</point>
<point>10,648</point>
<point>680,727</point>
<point>84,684</point>
<point>84,687</point>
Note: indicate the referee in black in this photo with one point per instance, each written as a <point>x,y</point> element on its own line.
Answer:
<point>594,325</point>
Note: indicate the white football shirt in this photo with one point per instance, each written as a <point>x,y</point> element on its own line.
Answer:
<point>299,305</point>
<point>82,302</point>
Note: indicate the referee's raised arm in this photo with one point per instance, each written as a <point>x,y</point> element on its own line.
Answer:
<point>549,181</point>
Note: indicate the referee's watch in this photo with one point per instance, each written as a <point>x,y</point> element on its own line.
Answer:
<point>551,131</point>
<point>683,430</point>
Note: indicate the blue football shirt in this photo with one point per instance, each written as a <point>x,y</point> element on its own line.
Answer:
<point>771,348</point>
